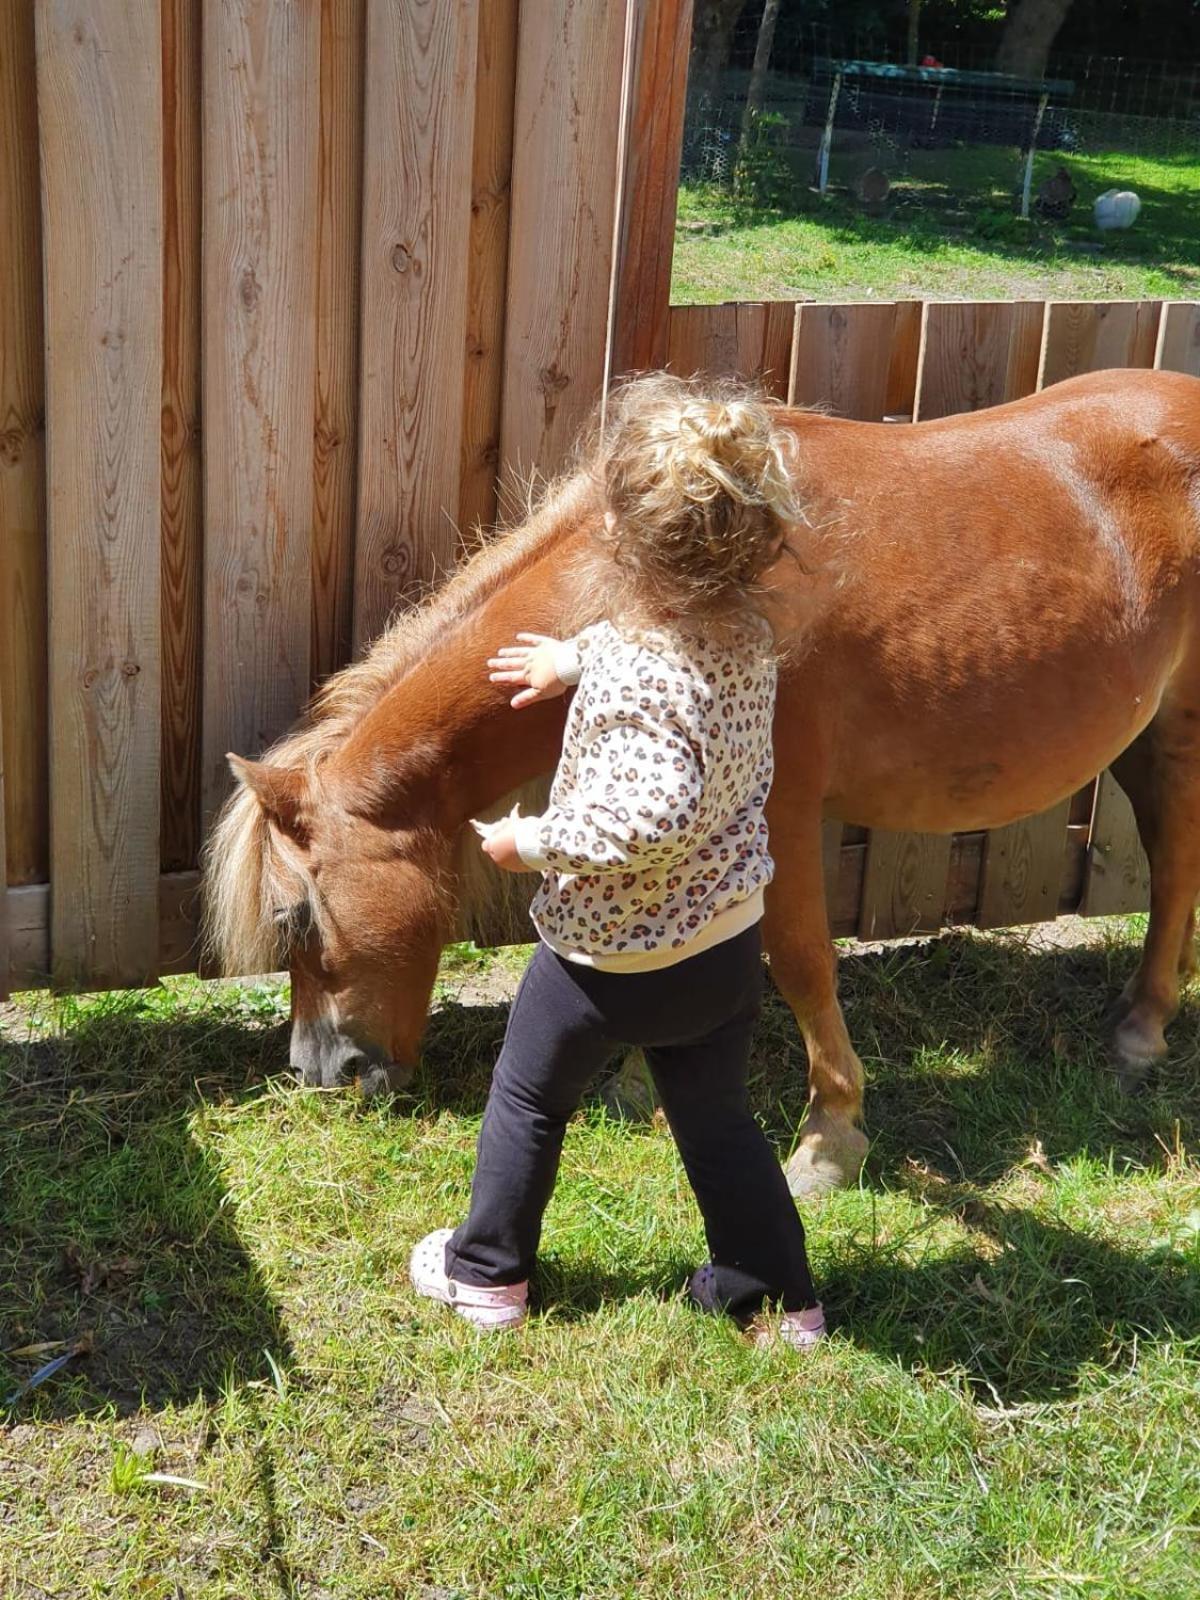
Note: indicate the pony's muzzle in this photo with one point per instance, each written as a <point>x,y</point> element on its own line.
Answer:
<point>324,1057</point>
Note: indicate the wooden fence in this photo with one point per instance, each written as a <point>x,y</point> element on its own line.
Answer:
<point>286,288</point>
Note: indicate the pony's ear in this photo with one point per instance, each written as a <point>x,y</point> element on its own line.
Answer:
<point>280,790</point>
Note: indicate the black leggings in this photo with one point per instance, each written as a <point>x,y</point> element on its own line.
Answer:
<point>695,1021</point>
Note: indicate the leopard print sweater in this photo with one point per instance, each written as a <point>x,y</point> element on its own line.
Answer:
<point>654,844</point>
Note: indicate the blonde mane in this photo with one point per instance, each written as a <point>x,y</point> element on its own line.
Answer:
<point>250,885</point>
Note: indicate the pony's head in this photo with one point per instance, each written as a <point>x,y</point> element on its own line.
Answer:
<point>357,906</point>
<point>344,856</point>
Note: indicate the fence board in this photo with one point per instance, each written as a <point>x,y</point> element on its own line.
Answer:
<point>1117,877</point>
<point>22,462</point>
<point>1092,335</point>
<point>977,355</point>
<point>1179,338</point>
<point>487,276</point>
<point>569,73</point>
<point>906,353</point>
<point>416,228</point>
<point>662,32</point>
<point>261,77</point>
<point>335,421</point>
<point>182,502</point>
<point>748,339</point>
<point>842,357</point>
<point>100,96</point>
<point>904,886</point>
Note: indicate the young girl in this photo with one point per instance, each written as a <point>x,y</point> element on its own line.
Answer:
<point>654,860</point>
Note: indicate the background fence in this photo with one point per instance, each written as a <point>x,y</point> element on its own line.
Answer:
<point>285,290</point>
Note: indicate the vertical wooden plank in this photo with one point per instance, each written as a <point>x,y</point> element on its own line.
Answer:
<point>660,44</point>
<point>703,339</point>
<point>778,336</point>
<point>977,355</point>
<point>487,276</point>
<point>1179,338</point>
<point>22,461</point>
<point>1092,335</point>
<point>335,423</point>
<point>904,884</point>
<point>182,536</point>
<point>906,350</point>
<point>1117,877</point>
<point>416,235</point>
<point>842,357</point>
<point>261,78</point>
<point>569,75</point>
<point>1022,870</point>
<point>100,111</point>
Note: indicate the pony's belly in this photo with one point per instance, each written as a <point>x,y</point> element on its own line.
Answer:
<point>958,776</point>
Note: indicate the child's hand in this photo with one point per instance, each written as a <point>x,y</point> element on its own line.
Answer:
<point>530,662</point>
<point>499,842</point>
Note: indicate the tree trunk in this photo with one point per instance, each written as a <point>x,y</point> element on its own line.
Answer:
<point>762,60</point>
<point>1029,30</point>
<point>914,32</point>
<point>712,42</point>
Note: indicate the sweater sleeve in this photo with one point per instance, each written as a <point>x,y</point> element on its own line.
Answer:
<point>639,807</point>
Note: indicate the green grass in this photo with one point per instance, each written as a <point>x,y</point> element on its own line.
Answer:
<point>1009,1404</point>
<point>950,232</point>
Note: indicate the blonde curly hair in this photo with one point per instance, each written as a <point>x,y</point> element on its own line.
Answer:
<point>696,480</point>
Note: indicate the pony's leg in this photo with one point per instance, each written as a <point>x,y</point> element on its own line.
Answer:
<point>796,933</point>
<point>1161,775</point>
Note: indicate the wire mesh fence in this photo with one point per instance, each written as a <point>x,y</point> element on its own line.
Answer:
<point>949,141</point>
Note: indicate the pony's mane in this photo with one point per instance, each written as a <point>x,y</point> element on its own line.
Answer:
<point>250,885</point>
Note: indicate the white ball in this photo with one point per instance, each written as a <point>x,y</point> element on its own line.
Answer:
<point>1116,208</point>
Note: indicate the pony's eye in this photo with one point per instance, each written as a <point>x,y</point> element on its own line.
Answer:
<point>295,921</point>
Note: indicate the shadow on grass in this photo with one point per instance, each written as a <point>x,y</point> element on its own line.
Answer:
<point>117,1224</point>
<point>1021,1309</point>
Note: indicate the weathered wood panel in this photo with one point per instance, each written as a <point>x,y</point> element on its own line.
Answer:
<point>659,46</point>
<point>906,356</point>
<point>1179,338</point>
<point>564,184</point>
<point>976,355</point>
<point>182,489</point>
<point>22,461</point>
<point>1091,335</point>
<point>261,82</point>
<point>749,339</point>
<point>904,884</point>
<point>841,358</point>
<point>335,422</point>
<point>1117,878</point>
<point>99,75</point>
<point>416,235</point>
<point>487,276</point>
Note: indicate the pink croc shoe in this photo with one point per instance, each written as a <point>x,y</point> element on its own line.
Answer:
<point>504,1307</point>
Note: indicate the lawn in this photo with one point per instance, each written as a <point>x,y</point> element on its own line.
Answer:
<point>1009,1404</point>
<point>949,232</point>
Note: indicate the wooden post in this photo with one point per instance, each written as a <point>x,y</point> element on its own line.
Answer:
<point>661,38</point>
<point>827,136</point>
<point>22,460</point>
<point>100,108</point>
<point>1033,139</point>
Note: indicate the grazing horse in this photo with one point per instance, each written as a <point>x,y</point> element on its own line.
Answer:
<point>986,611</point>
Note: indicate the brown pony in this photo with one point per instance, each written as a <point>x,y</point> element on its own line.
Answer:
<point>987,611</point>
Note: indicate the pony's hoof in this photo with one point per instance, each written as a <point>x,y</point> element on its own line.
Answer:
<point>829,1156</point>
<point>1137,1046</point>
<point>629,1095</point>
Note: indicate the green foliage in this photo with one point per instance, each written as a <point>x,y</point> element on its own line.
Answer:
<point>764,173</point>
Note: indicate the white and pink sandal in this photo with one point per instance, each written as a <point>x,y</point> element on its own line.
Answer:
<point>800,1329</point>
<point>504,1307</point>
